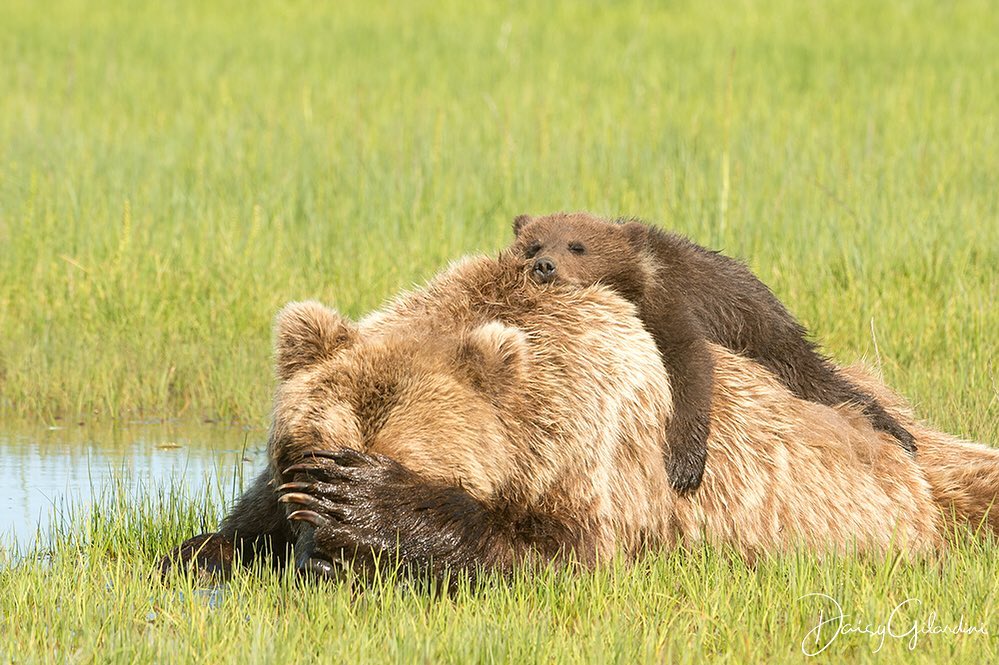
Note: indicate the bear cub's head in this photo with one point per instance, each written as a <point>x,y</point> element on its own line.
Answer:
<point>582,249</point>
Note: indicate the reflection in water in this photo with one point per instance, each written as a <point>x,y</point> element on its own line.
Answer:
<point>43,469</point>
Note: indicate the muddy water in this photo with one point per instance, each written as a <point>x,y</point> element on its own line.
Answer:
<point>45,468</point>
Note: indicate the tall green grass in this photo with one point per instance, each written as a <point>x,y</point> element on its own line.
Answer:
<point>92,593</point>
<point>170,174</point>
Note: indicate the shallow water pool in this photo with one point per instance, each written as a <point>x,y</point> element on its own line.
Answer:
<point>45,468</point>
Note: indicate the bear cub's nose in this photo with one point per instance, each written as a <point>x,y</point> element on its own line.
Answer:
<point>544,269</point>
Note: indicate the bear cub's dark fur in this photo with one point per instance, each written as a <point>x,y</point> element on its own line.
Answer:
<point>688,296</point>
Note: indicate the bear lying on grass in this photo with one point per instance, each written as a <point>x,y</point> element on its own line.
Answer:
<point>485,422</point>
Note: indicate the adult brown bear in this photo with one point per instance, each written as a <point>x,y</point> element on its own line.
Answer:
<point>486,421</point>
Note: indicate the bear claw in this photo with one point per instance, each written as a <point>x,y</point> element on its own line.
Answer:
<point>329,454</point>
<point>301,499</point>
<point>300,486</point>
<point>345,459</point>
<point>301,467</point>
<point>310,516</point>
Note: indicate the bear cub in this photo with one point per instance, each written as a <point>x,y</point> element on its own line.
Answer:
<point>688,296</point>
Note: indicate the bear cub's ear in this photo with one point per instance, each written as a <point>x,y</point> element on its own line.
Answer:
<point>636,233</point>
<point>306,333</point>
<point>519,222</point>
<point>493,355</point>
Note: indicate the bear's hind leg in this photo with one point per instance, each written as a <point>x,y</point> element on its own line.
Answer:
<point>800,367</point>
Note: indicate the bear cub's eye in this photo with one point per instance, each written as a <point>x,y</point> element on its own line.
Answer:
<point>532,250</point>
<point>577,248</point>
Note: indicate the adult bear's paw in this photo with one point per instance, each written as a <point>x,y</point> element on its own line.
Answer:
<point>209,556</point>
<point>356,503</point>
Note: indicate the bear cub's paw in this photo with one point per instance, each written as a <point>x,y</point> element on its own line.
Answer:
<point>687,453</point>
<point>686,473</point>
<point>888,424</point>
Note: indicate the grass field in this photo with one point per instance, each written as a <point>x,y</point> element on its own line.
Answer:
<point>170,174</point>
<point>679,607</point>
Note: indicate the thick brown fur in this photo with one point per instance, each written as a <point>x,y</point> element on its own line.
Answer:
<point>688,297</point>
<point>486,422</point>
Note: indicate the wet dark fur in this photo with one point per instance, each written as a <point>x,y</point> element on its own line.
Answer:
<point>256,529</point>
<point>687,296</point>
<point>368,510</point>
<point>364,512</point>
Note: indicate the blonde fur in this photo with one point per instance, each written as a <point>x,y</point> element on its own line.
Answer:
<point>551,399</point>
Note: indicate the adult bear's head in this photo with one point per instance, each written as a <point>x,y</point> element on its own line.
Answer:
<point>435,403</point>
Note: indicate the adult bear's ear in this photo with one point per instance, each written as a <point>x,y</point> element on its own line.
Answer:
<point>519,222</point>
<point>306,333</point>
<point>493,356</point>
